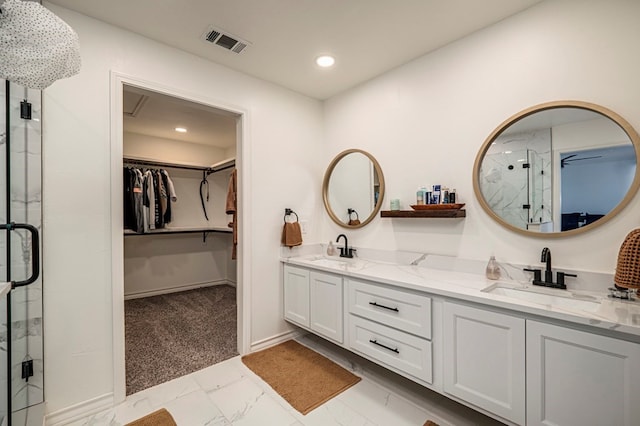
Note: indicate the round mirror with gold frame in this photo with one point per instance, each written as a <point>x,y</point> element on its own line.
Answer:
<point>353,188</point>
<point>558,169</point>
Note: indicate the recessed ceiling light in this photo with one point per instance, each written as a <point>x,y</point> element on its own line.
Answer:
<point>325,61</point>
<point>181,130</point>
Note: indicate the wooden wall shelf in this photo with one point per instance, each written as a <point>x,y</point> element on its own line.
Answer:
<point>447,213</point>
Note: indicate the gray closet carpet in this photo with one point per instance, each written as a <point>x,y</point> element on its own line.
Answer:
<point>171,335</point>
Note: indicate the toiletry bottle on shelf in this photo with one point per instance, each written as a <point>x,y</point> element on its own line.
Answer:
<point>331,249</point>
<point>452,196</point>
<point>420,197</point>
<point>493,269</point>
<point>435,195</point>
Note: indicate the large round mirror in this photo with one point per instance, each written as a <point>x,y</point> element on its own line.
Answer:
<point>353,188</point>
<point>557,169</point>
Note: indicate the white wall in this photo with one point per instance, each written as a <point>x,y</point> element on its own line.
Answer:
<point>284,132</point>
<point>426,121</point>
<point>156,264</point>
<point>170,150</point>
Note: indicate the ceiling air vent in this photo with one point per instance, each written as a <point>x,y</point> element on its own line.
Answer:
<point>226,40</point>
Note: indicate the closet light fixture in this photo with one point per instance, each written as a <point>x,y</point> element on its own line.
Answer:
<point>181,130</point>
<point>325,61</point>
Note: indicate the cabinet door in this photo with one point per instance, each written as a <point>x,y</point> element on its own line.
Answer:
<point>579,378</point>
<point>326,305</point>
<point>484,360</point>
<point>296,295</point>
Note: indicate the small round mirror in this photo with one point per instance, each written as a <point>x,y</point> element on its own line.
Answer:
<point>557,169</point>
<point>353,188</point>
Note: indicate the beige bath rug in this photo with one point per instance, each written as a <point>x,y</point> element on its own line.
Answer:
<point>157,418</point>
<point>301,376</point>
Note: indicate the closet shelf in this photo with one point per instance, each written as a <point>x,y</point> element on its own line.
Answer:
<point>181,230</point>
<point>223,165</point>
<point>444,213</point>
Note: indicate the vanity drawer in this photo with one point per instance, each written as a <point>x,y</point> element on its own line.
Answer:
<point>394,348</point>
<point>403,310</point>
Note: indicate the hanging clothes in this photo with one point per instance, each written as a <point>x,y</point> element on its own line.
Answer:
<point>232,208</point>
<point>136,193</point>
<point>170,193</point>
<point>147,199</point>
<point>127,200</point>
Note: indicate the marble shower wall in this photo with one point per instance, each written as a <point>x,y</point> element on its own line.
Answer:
<point>507,186</point>
<point>26,207</point>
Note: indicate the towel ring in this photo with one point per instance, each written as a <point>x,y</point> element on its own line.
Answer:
<point>288,212</point>
<point>350,211</point>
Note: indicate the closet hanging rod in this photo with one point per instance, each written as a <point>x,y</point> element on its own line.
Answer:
<point>218,169</point>
<point>153,163</point>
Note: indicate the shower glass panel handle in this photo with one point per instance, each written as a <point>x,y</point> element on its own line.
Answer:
<point>35,251</point>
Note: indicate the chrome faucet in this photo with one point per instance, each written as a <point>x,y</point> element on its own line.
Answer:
<point>345,251</point>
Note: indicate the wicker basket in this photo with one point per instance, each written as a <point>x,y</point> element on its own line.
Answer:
<point>628,267</point>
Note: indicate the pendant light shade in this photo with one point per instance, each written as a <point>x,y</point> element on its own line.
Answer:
<point>36,47</point>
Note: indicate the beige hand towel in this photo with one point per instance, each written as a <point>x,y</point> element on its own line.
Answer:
<point>291,234</point>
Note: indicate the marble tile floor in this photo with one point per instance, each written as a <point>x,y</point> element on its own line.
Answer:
<point>229,393</point>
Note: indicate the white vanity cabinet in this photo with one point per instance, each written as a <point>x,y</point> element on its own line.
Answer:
<point>296,295</point>
<point>326,311</point>
<point>522,368</point>
<point>313,300</point>
<point>484,359</point>
<point>579,378</point>
<point>391,326</point>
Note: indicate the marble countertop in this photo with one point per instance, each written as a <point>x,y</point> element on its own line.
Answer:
<point>612,314</point>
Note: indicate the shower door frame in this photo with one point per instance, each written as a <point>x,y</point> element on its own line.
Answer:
<point>30,111</point>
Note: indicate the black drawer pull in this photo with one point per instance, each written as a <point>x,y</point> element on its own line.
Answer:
<point>375,342</point>
<point>384,307</point>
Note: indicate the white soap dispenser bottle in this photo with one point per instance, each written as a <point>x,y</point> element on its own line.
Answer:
<point>493,269</point>
<point>331,249</point>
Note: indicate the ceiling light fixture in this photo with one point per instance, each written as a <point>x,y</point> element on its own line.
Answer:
<point>181,130</point>
<point>325,61</point>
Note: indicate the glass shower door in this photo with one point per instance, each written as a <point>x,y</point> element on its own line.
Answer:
<point>20,222</point>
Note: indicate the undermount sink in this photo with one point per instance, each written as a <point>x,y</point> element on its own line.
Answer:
<point>550,297</point>
<point>329,262</point>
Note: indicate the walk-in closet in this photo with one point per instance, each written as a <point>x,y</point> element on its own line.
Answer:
<point>179,200</point>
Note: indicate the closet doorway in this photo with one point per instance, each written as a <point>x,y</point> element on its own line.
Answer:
<point>181,297</point>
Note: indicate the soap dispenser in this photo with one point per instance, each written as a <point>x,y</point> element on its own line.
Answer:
<point>331,249</point>
<point>493,269</point>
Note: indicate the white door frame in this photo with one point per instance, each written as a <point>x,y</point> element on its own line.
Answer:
<point>118,80</point>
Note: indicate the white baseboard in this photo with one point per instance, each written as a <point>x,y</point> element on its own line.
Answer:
<point>176,289</point>
<point>274,340</point>
<point>79,411</point>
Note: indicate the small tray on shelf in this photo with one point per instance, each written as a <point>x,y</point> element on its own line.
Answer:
<point>448,206</point>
